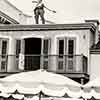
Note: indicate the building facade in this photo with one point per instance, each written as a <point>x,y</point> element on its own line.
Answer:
<point>67,49</point>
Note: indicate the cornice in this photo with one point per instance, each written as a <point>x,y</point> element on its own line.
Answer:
<point>38,27</point>
<point>95,51</point>
<point>8,18</point>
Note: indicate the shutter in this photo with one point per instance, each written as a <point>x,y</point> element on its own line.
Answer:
<point>3,57</point>
<point>46,47</point>
<point>18,47</point>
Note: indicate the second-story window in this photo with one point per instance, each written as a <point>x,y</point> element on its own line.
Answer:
<point>18,47</point>
<point>45,52</point>
<point>70,57</point>
<point>70,47</point>
<point>66,51</point>
<point>45,47</point>
<point>3,61</point>
<point>4,47</point>
<point>61,48</point>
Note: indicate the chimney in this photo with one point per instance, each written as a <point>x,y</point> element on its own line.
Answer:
<point>96,23</point>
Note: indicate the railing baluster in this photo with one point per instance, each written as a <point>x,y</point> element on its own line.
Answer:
<point>68,63</point>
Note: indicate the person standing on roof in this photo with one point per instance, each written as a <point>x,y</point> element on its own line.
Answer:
<point>39,11</point>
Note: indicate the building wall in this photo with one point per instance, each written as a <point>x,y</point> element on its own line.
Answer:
<point>95,66</point>
<point>82,39</point>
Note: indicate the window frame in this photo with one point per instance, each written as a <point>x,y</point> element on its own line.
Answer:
<point>3,57</point>
<point>63,59</point>
<point>45,57</point>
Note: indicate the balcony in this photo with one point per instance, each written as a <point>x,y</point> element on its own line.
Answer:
<point>72,66</point>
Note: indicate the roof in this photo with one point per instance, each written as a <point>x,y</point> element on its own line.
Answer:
<point>96,46</point>
<point>95,49</point>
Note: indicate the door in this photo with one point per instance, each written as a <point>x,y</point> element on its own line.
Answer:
<point>32,53</point>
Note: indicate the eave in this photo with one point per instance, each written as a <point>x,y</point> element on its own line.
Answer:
<point>42,27</point>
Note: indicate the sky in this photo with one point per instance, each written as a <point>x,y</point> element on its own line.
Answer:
<point>67,11</point>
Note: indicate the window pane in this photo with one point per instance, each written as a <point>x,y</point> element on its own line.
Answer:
<point>60,65</point>
<point>70,47</point>
<point>45,47</point>
<point>45,65</point>
<point>4,47</point>
<point>3,65</point>
<point>61,47</point>
<point>18,47</point>
<point>70,64</point>
<point>70,54</point>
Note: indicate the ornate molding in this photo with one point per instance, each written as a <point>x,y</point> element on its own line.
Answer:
<point>18,27</point>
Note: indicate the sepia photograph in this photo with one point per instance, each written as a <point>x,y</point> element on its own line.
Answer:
<point>49,50</point>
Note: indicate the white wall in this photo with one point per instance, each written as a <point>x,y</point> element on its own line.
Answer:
<point>95,66</point>
<point>82,44</point>
<point>82,39</point>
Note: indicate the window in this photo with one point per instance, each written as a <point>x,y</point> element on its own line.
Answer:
<point>45,52</point>
<point>66,51</point>
<point>4,47</point>
<point>61,48</point>
<point>3,61</point>
<point>70,47</point>
<point>45,47</point>
<point>3,65</point>
<point>18,47</point>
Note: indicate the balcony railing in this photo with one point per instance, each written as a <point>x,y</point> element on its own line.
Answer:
<point>56,63</point>
<point>65,63</point>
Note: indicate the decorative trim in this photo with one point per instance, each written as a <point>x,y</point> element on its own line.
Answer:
<point>38,27</point>
<point>95,21</point>
<point>76,75</point>
<point>95,51</point>
<point>71,75</point>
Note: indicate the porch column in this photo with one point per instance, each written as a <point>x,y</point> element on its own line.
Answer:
<point>22,46</point>
<point>12,55</point>
<point>22,56</point>
<point>53,57</point>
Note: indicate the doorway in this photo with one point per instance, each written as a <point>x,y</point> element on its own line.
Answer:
<point>32,53</point>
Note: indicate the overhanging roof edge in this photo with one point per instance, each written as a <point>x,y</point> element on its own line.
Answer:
<point>48,27</point>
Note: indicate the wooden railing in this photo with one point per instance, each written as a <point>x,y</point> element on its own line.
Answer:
<point>56,63</point>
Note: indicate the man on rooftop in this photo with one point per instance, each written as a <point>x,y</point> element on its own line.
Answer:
<point>39,11</point>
